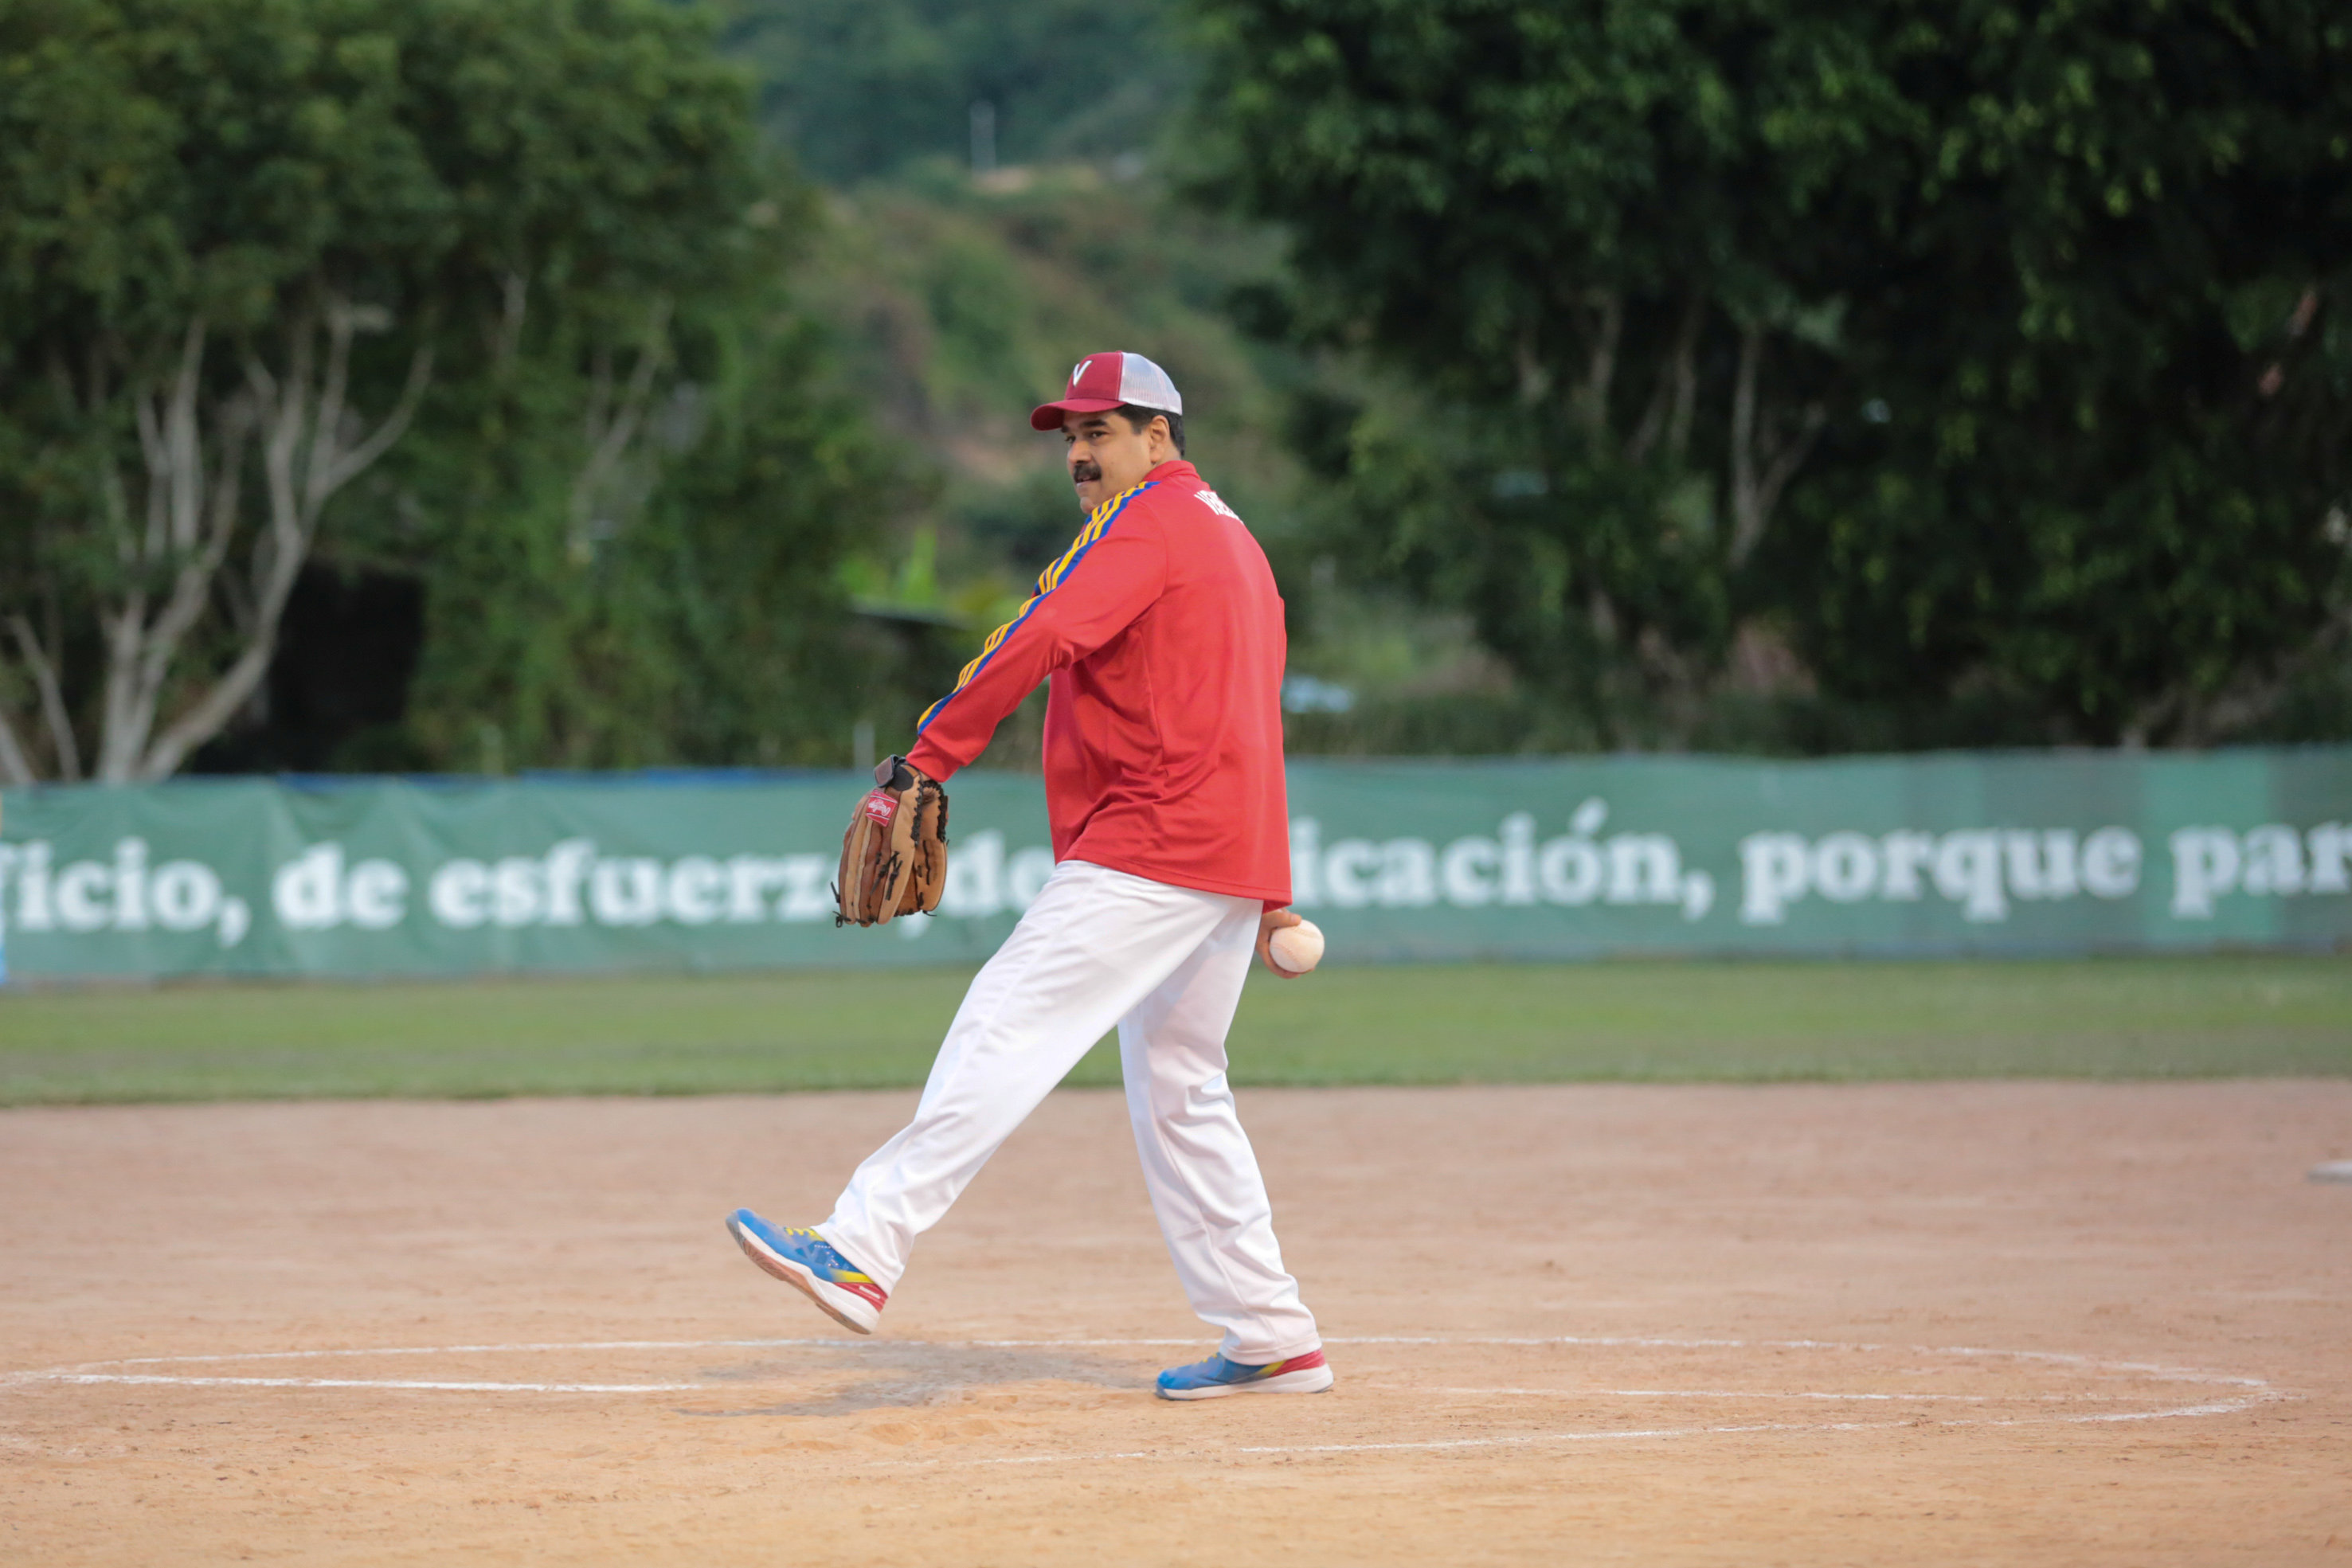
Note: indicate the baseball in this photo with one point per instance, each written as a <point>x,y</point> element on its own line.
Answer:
<point>1297,949</point>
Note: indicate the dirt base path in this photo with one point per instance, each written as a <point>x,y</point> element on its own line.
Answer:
<point>2011,1324</point>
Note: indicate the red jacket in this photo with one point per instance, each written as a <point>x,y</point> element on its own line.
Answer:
<point>1162,633</point>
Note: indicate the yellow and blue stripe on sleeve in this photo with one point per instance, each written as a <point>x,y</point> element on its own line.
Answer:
<point>1047,580</point>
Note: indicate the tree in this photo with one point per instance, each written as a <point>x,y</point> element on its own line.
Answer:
<point>243,242</point>
<point>2107,332</point>
<point>690,610</point>
<point>1602,243</point>
<point>1953,345</point>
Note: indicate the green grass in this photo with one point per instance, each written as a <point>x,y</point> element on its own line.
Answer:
<point>1663,1022</point>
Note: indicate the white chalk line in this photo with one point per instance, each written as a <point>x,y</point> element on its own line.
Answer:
<point>2259,1391</point>
<point>1612,1435</point>
<point>480,1350</point>
<point>1906,1399</point>
<point>377,1382</point>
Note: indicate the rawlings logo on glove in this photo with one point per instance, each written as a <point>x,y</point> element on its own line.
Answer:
<point>894,858</point>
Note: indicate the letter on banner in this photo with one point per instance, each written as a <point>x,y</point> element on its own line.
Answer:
<point>1644,868</point>
<point>186,895</point>
<point>627,892</point>
<point>2329,846</point>
<point>2273,862</point>
<point>2111,862</point>
<point>131,885</point>
<point>696,890</point>
<point>1346,866</point>
<point>1467,871</point>
<point>1968,872</point>
<point>83,889</point>
<point>308,891</point>
<point>805,887</point>
<point>1408,873</point>
<point>2041,865</point>
<point>1846,867</point>
<point>459,894</point>
<point>1908,857</point>
<point>2204,867</point>
<point>376,895</point>
<point>1773,874</point>
<point>975,887</point>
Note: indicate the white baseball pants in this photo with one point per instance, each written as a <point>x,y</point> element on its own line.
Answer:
<point>1166,965</point>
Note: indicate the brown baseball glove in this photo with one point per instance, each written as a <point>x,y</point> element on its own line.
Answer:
<point>894,858</point>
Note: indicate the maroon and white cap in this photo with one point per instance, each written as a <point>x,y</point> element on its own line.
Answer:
<point>1100,383</point>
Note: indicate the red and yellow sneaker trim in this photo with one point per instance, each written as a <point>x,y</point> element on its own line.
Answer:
<point>1216,1377</point>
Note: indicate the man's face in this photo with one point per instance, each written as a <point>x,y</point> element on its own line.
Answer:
<point>1108,456</point>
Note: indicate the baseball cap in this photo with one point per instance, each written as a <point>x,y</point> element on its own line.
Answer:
<point>1100,383</point>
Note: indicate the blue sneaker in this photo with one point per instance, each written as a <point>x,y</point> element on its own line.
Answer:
<point>1216,1377</point>
<point>806,1260</point>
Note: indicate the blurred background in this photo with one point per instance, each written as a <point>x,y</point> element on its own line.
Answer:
<point>622,392</point>
<point>435,385</point>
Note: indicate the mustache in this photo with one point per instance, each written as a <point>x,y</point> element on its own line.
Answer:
<point>1085,472</point>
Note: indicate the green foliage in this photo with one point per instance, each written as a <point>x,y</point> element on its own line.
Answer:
<point>481,292</point>
<point>1962,349</point>
<point>171,160</point>
<point>862,88</point>
<point>962,298</point>
<point>1600,242</point>
<point>701,626</point>
<point>959,308</point>
<point>2109,479</point>
<point>166,160</point>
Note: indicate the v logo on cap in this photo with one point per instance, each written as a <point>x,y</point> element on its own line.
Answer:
<point>1100,383</point>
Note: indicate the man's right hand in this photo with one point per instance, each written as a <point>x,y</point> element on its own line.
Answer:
<point>1272,921</point>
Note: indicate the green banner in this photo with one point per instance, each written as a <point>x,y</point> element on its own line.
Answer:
<point>2025,853</point>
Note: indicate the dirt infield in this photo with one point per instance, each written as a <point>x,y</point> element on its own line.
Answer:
<point>1991,1322</point>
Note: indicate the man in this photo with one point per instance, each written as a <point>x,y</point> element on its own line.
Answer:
<point>1162,635</point>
